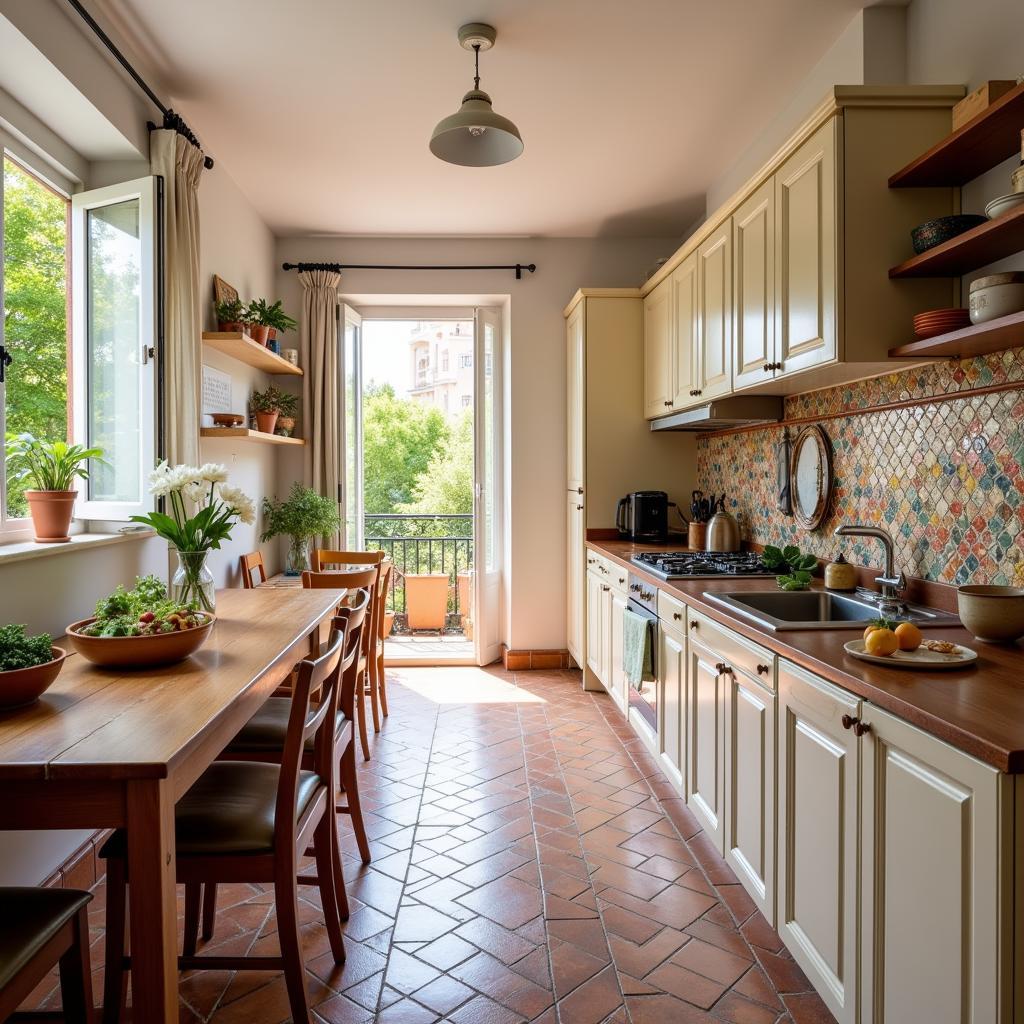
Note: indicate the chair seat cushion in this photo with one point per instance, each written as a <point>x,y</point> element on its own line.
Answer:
<point>266,730</point>
<point>29,918</point>
<point>229,810</point>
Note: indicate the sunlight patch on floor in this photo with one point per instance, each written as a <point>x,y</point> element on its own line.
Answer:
<point>463,686</point>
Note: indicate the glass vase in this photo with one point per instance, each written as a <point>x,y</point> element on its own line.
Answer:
<point>193,582</point>
<point>298,559</point>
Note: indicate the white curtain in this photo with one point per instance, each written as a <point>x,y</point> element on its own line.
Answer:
<point>321,384</point>
<point>180,163</point>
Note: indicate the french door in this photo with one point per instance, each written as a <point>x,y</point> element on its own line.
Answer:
<point>351,496</point>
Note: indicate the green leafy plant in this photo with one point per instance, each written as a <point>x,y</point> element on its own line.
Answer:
<point>260,312</point>
<point>288,404</point>
<point>19,650</point>
<point>49,465</point>
<point>267,401</point>
<point>303,514</point>
<point>795,570</point>
<point>231,312</point>
<point>798,580</point>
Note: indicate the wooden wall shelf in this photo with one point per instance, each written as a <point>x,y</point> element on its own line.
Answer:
<point>976,248</point>
<point>986,140</point>
<point>976,340</point>
<point>241,347</point>
<point>244,434</point>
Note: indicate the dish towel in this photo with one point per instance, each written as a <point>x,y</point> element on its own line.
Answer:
<point>637,649</point>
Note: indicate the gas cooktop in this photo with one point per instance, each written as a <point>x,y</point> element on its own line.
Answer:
<point>681,565</point>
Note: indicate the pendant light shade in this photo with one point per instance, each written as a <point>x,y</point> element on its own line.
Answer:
<point>475,136</point>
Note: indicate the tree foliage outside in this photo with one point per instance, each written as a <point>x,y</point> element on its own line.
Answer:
<point>35,313</point>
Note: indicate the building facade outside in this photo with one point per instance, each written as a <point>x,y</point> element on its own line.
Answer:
<point>442,365</point>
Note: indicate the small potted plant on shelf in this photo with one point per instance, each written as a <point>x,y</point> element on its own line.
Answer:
<point>288,407</point>
<point>266,405</point>
<point>255,321</point>
<point>51,468</point>
<point>278,320</point>
<point>230,315</point>
<point>305,514</point>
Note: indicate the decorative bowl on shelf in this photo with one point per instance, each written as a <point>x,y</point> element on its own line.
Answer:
<point>934,232</point>
<point>227,419</point>
<point>940,321</point>
<point>1003,204</point>
<point>21,686</point>
<point>996,295</point>
<point>139,651</point>
<point>992,613</point>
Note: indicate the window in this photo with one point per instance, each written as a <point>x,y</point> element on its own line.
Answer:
<point>467,401</point>
<point>465,360</point>
<point>444,361</point>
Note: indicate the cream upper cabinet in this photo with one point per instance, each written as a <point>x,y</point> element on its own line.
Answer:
<point>576,397</point>
<point>818,844</point>
<point>576,575</point>
<point>754,288</point>
<point>706,690</point>
<point>715,309</point>
<point>671,698</point>
<point>933,948</point>
<point>658,351</point>
<point>805,253</point>
<point>685,345</point>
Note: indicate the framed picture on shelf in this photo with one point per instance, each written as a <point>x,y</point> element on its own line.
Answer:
<point>222,291</point>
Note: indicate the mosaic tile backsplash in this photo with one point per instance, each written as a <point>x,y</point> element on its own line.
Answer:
<point>943,477</point>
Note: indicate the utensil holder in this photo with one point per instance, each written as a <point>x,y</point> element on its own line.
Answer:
<point>696,536</point>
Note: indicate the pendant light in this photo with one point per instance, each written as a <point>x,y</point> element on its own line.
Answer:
<point>475,136</point>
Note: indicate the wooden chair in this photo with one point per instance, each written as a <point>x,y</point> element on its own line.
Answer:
<point>248,821</point>
<point>357,579</point>
<point>263,737</point>
<point>252,561</point>
<point>326,558</point>
<point>40,928</point>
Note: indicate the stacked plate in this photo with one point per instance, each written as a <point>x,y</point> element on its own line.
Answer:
<point>940,321</point>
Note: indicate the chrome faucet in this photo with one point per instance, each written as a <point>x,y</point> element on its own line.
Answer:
<point>890,583</point>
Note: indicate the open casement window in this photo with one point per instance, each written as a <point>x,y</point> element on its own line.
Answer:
<point>351,496</point>
<point>115,268</point>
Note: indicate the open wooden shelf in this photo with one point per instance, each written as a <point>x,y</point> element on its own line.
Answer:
<point>244,434</point>
<point>241,347</point>
<point>976,248</point>
<point>986,140</point>
<point>976,340</point>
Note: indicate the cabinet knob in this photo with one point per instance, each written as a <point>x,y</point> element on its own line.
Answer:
<point>849,721</point>
<point>668,402</point>
<point>698,392</point>
<point>604,586</point>
<point>579,508</point>
<point>622,579</point>
<point>678,616</point>
<point>579,490</point>
<point>722,669</point>
<point>694,624</point>
<point>763,670</point>
<point>766,367</point>
<point>776,366</point>
<point>860,728</point>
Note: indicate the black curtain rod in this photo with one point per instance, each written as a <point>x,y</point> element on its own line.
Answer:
<point>338,267</point>
<point>172,120</point>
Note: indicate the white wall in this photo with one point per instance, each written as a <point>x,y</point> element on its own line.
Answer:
<point>536,360</point>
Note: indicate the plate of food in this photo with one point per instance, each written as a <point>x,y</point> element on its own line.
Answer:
<point>902,645</point>
<point>140,628</point>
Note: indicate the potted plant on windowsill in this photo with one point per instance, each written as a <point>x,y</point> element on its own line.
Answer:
<point>266,405</point>
<point>230,315</point>
<point>51,467</point>
<point>288,407</point>
<point>303,515</point>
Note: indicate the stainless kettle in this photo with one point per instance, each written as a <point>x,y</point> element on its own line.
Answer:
<point>723,531</point>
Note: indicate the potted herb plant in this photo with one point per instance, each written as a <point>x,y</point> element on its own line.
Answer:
<point>28,665</point>
<point>278,320</point>
<point>303,515</point>
<point>51,467</point>
<point>289,406</point>
<point>266,405</point>
<point>255,321</point>
<point>230,315</point>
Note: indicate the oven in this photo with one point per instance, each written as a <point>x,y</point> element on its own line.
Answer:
<point>643,601</point>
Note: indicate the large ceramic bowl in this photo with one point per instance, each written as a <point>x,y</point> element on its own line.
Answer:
<point>22,686</point>
<point>1003,204</point>
<point>138,651</point>
<point>995,296</point>
<point>934,232</point>
<point>991,613</point>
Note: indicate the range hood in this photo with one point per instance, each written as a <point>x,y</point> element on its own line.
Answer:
<point>737,411</point>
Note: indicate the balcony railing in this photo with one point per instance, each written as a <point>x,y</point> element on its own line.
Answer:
<point>420,544</point>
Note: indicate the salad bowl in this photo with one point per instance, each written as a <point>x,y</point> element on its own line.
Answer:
<point>145,651</point>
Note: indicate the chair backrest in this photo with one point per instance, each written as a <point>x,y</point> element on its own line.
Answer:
<point>254,560</point>
<point>319,676</point>
<point>380,604</point>
<point>355,618</point>
<point>325,557</point>
<point>353,580</point>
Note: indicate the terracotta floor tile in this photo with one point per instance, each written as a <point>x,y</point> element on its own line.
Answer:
<point>736,1009</point>
<point>783,973</point>
<point>444,994</point>
<point>504,945</point>
<point>808,1009</point>
<point>711,961</point>
<point>594,1000</point>
<point>758,932</point>
<point>686,985</point>
<point>661,1009</point>
<point>571,966</point>
<point>445,952</point>
<point>756,986</point>
<point>725,938</point>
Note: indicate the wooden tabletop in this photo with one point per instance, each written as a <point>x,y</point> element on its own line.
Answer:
<point>106,723</point>
<point>980,710</point>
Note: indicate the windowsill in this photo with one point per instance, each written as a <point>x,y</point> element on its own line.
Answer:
<point>20,551</point>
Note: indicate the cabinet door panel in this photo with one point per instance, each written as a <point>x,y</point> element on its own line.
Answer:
<point>595,639</point>
<point>577,576</point>
<point>576,395</point>
<point>754,288</point>
<point>750,789</point>
<point>685,320</point>
<point>672,678</point>
<point>715,280</point>
<point>930,892</point>
<point>705,720</point>
<point>805,255</point>
<point>657,351</point>
<point>616,677</point>
<point>605,662</point>
<point>818,837</point>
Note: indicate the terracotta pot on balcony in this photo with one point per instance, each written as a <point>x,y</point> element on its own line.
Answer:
<point>465,583</point>
<point>426,597</point>
<point>389,622</point>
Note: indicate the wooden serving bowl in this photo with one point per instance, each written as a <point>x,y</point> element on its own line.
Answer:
<point>138,651</point>
<point>21,686</point>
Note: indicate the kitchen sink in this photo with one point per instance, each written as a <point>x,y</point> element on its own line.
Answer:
<point>815,609</point>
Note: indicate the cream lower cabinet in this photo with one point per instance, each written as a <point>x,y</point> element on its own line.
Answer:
<point>671,702</point>
<point>577,603</point>
<point>706,692</point>
<point>596,657</point>
<point>616,682</point>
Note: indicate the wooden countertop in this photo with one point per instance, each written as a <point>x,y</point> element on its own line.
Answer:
<point>980,710</point>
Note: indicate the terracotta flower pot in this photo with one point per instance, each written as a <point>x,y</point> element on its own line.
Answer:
<point>266,421</point>
<point>285,425</point>
<point>426,597</point>
<point>51,514</point>
<point>230,326</point>
<point>259,333</point>
<point>271,334</point>
<point>389,622</point>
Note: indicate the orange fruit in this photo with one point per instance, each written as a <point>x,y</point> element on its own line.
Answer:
<point>881,642</point>
<point>870,629</point>
<point>908,636</point>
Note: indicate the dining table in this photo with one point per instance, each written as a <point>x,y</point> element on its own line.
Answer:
<point>108,748</point>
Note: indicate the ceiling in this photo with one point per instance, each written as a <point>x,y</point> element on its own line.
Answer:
<point>321,110</point>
